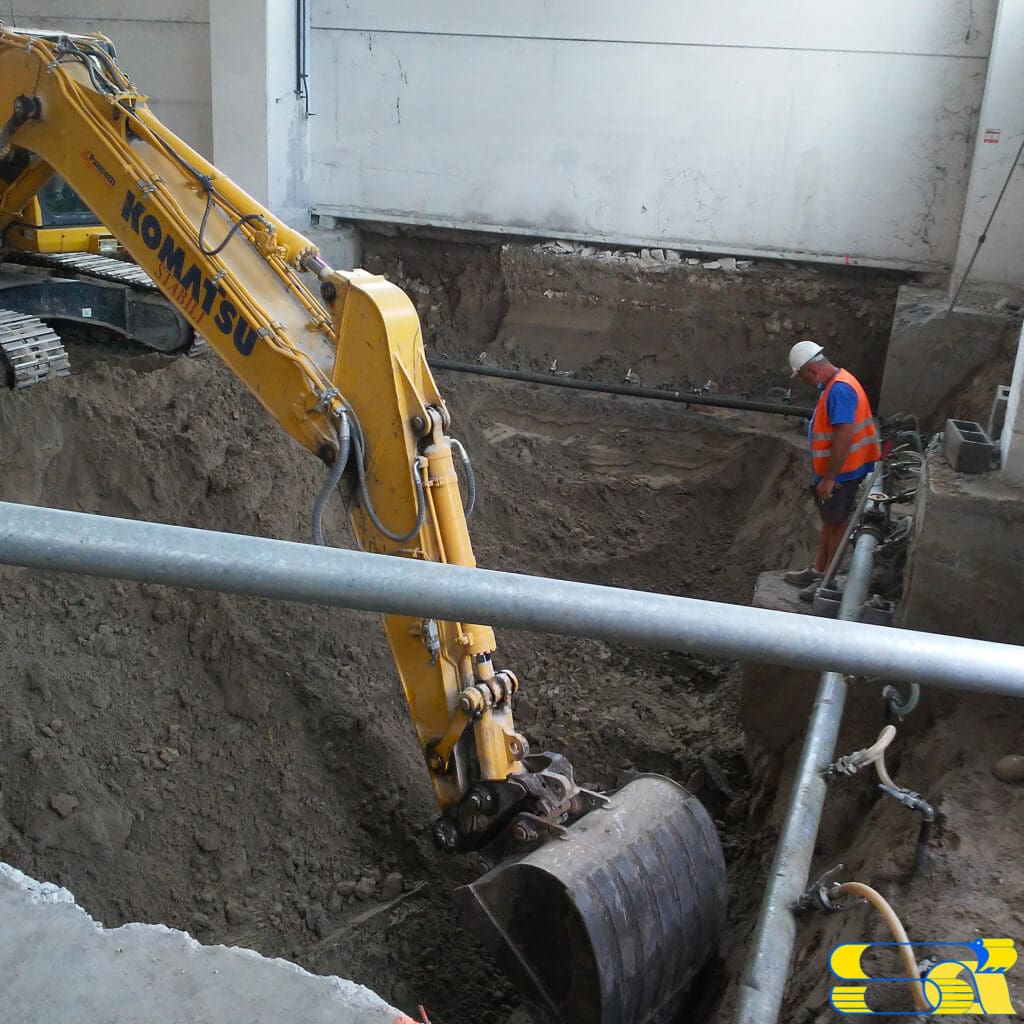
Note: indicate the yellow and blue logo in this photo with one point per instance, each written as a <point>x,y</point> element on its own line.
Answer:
<point>974,984</point>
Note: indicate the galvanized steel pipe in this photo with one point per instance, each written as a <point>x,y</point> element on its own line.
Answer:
<point>764,981</point>
<point>78,542</point>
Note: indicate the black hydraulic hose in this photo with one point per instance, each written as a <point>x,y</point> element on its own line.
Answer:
<point>923,835</point>
<point>915,802</point>
<point>344,446</point>
<point>619,389</point>
<point>470,476</point>
<point>364,495</point>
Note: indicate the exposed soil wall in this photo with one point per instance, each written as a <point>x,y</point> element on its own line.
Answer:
<point>246,770</point>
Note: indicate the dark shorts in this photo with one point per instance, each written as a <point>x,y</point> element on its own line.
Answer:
<point>839,507</point>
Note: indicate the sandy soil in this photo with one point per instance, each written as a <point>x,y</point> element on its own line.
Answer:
<point>246,770</point>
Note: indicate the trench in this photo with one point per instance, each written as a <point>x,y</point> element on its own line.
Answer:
<point>245,770</point>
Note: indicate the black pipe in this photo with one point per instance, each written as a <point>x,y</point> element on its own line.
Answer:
<point>618,389</point>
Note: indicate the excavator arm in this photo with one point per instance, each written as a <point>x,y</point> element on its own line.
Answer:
<point>339,363</point>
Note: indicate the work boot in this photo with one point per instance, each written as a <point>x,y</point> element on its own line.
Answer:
<point>802,577</point>
<point>807,594</point>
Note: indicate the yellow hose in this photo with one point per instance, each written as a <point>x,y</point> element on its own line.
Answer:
<point>899,933</point>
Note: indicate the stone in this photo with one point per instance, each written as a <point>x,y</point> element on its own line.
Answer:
<point>727,262</point>
<point>392,886</point>
<point>712,265</point>
<point>345,889</point>
<point>236,913</point>
<point>313,916</point>
<point>208,842</point>
<point>365,888</point>
<point>772,325</point>
<point>1009,768</point>
<point>64,804</point>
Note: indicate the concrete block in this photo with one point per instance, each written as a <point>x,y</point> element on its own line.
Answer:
<point>967,447</point>
<point>776,702</point>
<point>341,247</point>
<point>932,351</point>
<point>827,600</point>
<point>1011,442</point>
<point>997,417</point>
<point>59,966</point>
<point>964,576</point>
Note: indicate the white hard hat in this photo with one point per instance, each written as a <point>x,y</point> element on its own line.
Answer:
<point>803,352</point>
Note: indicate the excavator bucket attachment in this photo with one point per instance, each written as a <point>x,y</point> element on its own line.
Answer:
<point>609,924</point>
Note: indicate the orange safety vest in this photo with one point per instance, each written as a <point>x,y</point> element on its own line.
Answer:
<point>865,447</point>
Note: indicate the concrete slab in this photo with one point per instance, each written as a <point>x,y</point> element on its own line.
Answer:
<point>776,702</point>
<point>932,351</point>
<point>340,244</point>
<point>966,575</point>
<point>59,966</point>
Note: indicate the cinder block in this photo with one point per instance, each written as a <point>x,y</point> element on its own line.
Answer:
<point>968,448</point>
<point>997,417</point>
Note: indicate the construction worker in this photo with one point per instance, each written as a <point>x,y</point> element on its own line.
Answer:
<point>844,444</point>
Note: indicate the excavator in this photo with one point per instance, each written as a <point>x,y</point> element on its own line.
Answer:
<point>602,907</point>
<point>62,276</point>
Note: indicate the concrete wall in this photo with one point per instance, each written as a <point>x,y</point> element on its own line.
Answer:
<point>965,577</point>
<point>1000,261</point>
<point>261,137</point>
<point>816,129</point>
<point>1012,440</point>
<point>164,47</point>
<point>933,352</point>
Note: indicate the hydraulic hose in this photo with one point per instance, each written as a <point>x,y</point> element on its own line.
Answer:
<point>899,933</point>
<point>337,468</point>
<point>364,496</point>
<point>895,705</point>
<point>875,754</point>
<point>470,476</point>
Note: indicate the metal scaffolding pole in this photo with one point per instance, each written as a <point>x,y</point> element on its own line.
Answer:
<point>77,542</point>
<point>764,981</point>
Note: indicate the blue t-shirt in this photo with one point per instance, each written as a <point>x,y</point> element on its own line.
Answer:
<point>842,408</point>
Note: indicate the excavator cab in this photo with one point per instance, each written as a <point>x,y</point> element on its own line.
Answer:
<point>57,221</point>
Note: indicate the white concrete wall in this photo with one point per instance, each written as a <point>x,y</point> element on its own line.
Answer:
<point>1012,442</point>
<point>163,46</point>
<point>1000,262</point>
<point>260,132</point>
<point>837,131</point>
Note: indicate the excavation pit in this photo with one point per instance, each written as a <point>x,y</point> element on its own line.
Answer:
<point>246,771</point>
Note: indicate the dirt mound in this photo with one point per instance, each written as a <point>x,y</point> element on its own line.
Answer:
<point>246,770</point>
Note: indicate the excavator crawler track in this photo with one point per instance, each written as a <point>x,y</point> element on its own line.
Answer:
<point>83,264</point>
<point>30,351</point>
<point>100,268</point>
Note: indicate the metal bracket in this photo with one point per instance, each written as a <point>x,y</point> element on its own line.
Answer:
<point>820,895</point>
